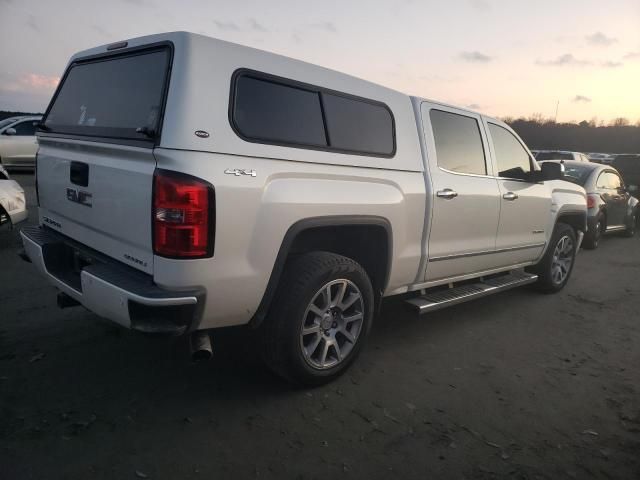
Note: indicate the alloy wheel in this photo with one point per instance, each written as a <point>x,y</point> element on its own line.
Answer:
<point>562,260</point>
<point>331,324</point>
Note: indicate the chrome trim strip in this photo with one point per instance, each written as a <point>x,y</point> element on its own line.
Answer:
<point>486,252</point>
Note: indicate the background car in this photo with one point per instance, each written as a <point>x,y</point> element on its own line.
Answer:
<point>560,155</point>
<point>610,206</point>
<point>605,158</point>
<point>18,144</point>
<point>13,206</point>
<point>629,167</point>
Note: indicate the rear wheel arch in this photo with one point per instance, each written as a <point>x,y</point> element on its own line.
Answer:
<point>576,220</point>
<point>366,239</point>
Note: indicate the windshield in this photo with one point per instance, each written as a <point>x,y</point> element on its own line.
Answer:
<point>117,97</point>
<point>554,156</point>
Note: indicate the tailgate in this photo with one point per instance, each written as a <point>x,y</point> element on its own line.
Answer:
<point>112,213</point>
<point>95,164</point>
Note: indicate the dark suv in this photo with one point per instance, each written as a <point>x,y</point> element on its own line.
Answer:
<point>629,167</point>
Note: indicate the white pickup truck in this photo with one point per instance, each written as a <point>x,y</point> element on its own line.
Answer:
<point>187,184</point>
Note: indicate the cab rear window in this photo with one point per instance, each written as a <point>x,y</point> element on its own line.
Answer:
<point>117,97</point>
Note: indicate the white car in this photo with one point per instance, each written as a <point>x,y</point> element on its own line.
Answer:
<point>13,207</point>
<point>18,142</point>
<point>542,155</point>
<point>179,195</point>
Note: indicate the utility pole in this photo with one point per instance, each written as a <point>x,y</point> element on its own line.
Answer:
<point>557,106</point>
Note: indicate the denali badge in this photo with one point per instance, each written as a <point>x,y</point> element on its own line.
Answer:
<point>51,222</point>
<point>239,171</point>
<point>201,134</point>
<point>78,196</point>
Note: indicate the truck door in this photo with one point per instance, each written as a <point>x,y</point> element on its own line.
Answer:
<point>465,196</point>
<point>525,205</point>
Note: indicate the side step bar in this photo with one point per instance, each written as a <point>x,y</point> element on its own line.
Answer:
<point>445,298</point>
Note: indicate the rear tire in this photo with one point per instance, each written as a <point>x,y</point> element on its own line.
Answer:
<point>593,236</point>
<point>557,263</point>
<point>319,319</point>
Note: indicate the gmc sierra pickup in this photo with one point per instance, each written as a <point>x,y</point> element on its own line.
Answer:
<point>187,184</point>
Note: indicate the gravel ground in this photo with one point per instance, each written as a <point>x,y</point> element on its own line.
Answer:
<point>518,385</point>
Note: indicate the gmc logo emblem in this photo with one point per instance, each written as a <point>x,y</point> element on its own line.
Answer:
<point>78,196</point>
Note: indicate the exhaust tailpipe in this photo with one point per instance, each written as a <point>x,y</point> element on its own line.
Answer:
<point>200,346</point>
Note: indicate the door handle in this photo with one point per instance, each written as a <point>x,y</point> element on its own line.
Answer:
<point>447,193</point>
<point>510,196</point>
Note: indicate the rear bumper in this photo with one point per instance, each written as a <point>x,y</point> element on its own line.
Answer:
<point>111,289</point>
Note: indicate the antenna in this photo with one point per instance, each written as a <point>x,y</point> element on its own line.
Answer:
<point>557,106</point>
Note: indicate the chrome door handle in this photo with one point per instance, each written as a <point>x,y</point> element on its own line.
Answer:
<point>447,193</point>
<point>510,196</point>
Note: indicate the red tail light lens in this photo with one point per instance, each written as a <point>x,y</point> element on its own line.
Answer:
<point>591,201</point>
<point>183,216</point>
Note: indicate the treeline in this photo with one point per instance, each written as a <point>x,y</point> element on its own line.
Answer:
<point>587,136</point>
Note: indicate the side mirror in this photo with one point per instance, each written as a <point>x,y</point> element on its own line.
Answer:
<point>552,171</point>
<point>10,131</point>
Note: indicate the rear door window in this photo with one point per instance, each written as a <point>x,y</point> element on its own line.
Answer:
<point>120,96</point>
<point>458,143</point>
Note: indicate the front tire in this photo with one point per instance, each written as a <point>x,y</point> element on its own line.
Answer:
<point>557,263</point>
<point>319,320</point>
<point>593,236</point>
<point>632,223</point>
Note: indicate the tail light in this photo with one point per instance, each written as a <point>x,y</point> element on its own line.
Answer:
<point>591,201</point>
<point>183,216</point>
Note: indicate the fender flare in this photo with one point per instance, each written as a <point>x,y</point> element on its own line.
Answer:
<point>306,224</point>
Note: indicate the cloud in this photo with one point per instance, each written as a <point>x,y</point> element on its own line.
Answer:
<point>600,39</point>
<point>227,26</point>
<point>632,56</point>
<point>581,99</point>
<point>296,38</point>
<point>475,57</point>
<point>611,64</point>
<point>563,60</point>
<point>257,27</point>
<point>480,5</point>
<point>328,26</point>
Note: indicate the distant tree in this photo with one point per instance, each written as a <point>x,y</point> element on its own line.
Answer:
<point>620,122</point>
<point>584,123</point>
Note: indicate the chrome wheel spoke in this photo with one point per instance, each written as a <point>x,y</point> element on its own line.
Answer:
<point>347,334</point>
<point>308,330</point>
<point>316,310</point>
<point>353,298</point>
<point>313,346</point>
<point>352,318</point>
<point>325,351</point>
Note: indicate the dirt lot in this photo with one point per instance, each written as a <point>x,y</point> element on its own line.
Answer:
<point>519,385</point>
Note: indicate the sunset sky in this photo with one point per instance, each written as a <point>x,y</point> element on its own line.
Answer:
<point>504,58</point>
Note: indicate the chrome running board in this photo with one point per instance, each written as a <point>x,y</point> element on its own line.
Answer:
<point>445,298</point>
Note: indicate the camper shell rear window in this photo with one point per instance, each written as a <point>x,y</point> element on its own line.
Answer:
<point>118,96</point>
